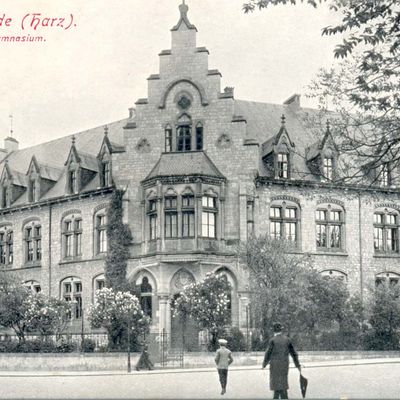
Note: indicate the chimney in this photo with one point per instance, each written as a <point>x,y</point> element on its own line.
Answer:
<point>10,144</point>
<point>293,101</point>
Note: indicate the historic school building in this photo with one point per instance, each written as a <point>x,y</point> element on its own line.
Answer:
<point>201,170</point>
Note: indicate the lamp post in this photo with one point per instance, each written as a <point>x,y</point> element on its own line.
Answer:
<point>129,346</point>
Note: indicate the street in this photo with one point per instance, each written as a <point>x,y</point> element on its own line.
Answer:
<point>378,381</point>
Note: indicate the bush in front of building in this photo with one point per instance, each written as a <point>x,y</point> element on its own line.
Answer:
<point>236,339</point>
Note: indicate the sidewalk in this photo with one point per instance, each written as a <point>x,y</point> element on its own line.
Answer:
<point>159,370</point>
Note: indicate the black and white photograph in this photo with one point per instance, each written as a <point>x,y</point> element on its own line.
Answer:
<point>200,199</point>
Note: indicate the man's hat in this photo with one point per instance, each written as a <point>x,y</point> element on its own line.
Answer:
<point>277,327</point>
<point>222,341</point>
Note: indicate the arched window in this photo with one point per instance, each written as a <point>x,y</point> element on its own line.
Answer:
<point>101,242</point>
<point>6,246</point>
<point>334,274</point>
<point>329,221</point>
<point>72,236</point>
<point>386,231</point>
<point>34,286</point>
<point>284,221</point>
<point>33,242</point>
<point>209,215</point>
<point>390,278</point>
<point>171,215</point>
<point>184,133</point>
<point>71,290</point>
<point>228,275</point>
<point>152,215</point>
<point>146,296</point>
<point>188,213</point>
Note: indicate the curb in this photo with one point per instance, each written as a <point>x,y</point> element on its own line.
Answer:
<point>311,365</point>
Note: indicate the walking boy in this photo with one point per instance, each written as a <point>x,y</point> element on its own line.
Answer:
<point>223,359</point>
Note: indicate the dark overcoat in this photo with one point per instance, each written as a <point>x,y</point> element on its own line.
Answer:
<point>277,355</point>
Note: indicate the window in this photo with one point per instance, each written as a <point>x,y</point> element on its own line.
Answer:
<point>101,233</point>
<point>250,218</point>
<point>168,139</point>
<point>327,168</point>
<point>146,296</point>
<point>105,173</point>
<point>199,136</point>
<point>72,292</point>
<point>32,190</point>
<point>184,138</point>
<point>72,237</point>
<point>329,224</point>
<point>10,247</point>
<point>208,218</point>
<point>387,278</point>
<point>34,286</point>
<point>5,201</point>
<point>283,165</point>
<point>188,225</point>
<point>99,283</point>
<point>171,217</point>
<point>152,215</point>
<point>384,175</point>
<point>72,181</point>
<point>386,231</point>
<point>283,222</point>
<point>33,243</point>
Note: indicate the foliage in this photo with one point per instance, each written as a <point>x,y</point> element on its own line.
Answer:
<point>236,339</point>
<point>117,312</point>
<point>385,318</point>
<point>14,305</point>
<point>286,288</point>
<point>88,345</point>
<point>46,315</point>
<point>119,238</point>
<point>207,303</point>
<point>363,91</point>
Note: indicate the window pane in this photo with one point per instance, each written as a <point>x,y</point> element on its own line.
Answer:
<point>275,229</point>
<point>275,212</point>
<point>335,236</point>
<point>335,215</point>
<point>321,235</point>
<point>290,231</point>
<point>290,213</point>
<point>378,238</point>
<point>320,215</point>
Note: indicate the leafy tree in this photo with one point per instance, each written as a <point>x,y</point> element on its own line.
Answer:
<point>207,302</point>
<point>14,305</point>
<point>46,315</point>
<point>385,318</point>
<point>118,312</point>
<point>363,91</point>
<point>119,239</point>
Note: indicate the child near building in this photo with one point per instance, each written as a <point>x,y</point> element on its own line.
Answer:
<point>223,359</point>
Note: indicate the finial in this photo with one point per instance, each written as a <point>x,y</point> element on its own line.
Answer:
<point>183,8</point>
<point>106,130</point>
<point>328,125</point>
<point>11,125</point>
<point>73,140</point>
<point>283,119</point>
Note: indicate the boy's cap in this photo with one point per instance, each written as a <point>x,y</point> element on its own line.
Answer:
<point>222,341</point>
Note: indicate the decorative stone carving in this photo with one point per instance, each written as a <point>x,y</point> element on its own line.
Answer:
<point>143,146</point>
<point>224,141</point>
<point>182,279</point>
<point>184,102</point>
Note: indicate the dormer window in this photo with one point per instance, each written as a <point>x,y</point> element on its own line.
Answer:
<point>72,181</point>
<point>282,165</point>
<point>105,173</point>
<point>5,198</point>
<point>32,190</point>
<point>327,168</point>
<point>384,175</point>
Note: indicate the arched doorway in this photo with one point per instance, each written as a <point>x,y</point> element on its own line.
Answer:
<point>184,332</point>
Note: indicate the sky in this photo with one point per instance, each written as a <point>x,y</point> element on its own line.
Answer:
<point>90,74</point>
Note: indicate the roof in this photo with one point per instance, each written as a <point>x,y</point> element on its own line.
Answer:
<point>264,126</point>
<point>185,164</point>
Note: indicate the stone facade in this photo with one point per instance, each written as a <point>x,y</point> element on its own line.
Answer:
<point>200,171</point>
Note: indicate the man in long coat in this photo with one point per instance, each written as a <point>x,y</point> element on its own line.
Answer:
<point>277,354</point>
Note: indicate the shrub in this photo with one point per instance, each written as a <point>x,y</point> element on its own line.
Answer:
<point>88,345</point>
<point>236,339</point>
<point>66,347</point>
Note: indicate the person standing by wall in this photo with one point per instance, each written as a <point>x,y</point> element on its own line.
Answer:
<point>223,359</point>
<point>277,355</point>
